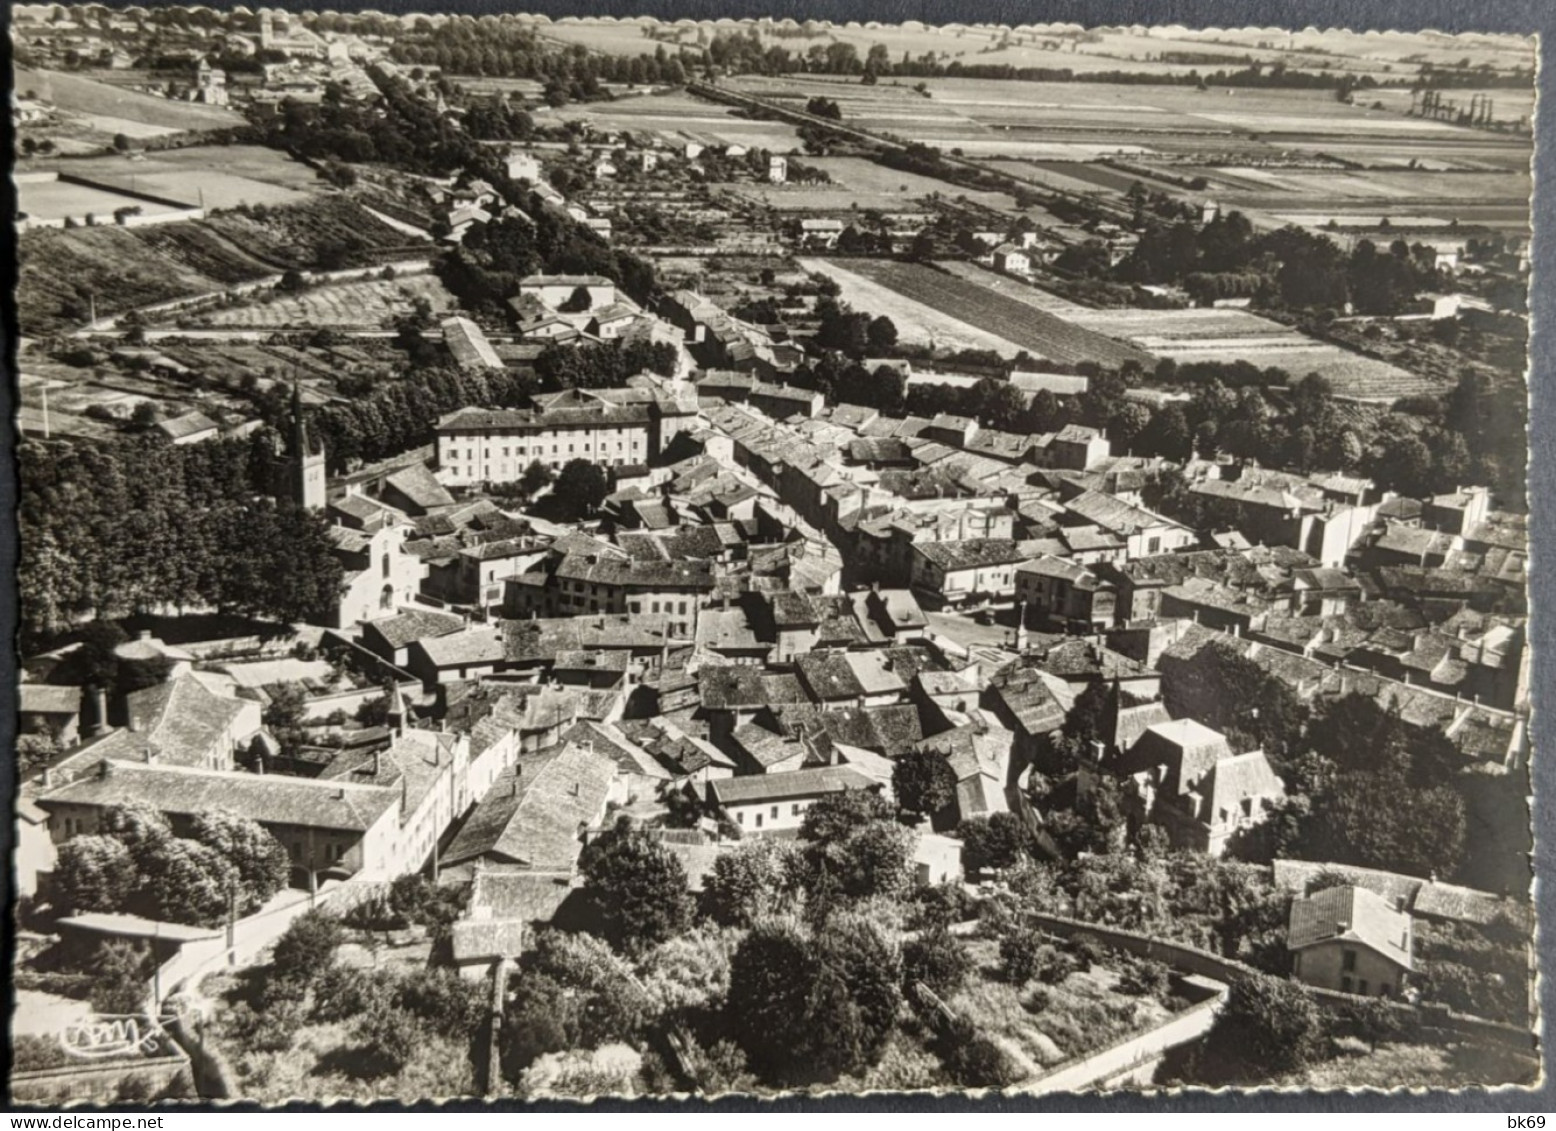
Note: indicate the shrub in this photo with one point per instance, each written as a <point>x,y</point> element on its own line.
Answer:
<point>1145,977</point>
<point>344,992</point>
<point>387,1037</point>
<point>940,905</point>
<point>1268,1026</point>
<point>1021,955</point>
<point>450,1005</point>
<point>119,982</point>
<point>972,1059</point>
<point>938,960</point>
<point>307,949</point>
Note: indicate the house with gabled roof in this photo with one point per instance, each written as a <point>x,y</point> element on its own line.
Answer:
<point>533,816</point>
<point>1350,939</point>
<point>1185,777</point>
<point>767,803</point>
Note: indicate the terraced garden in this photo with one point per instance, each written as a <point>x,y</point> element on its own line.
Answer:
<point>371,305</point>
<point>126,268</point>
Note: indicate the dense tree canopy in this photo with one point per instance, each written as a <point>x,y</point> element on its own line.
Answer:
<point>637,885</point>
<point>124,526</point>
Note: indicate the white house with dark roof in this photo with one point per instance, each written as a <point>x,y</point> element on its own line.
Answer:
<point>326,827</point>
<point>767,803</point>
<point>1350,939</point>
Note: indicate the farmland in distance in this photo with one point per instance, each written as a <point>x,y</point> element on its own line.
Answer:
<point>1038,332</point>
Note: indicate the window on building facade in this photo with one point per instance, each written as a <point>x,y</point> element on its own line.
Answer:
<point>1348,960</point>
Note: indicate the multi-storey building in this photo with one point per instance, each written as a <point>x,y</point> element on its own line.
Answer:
<point>479,445</point>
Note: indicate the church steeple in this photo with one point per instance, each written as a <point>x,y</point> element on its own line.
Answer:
<point>305,459</point>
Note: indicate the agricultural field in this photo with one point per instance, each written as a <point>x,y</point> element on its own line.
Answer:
<point>90,99</point>
<point>127,268</point>
<point>1235,335</point>
<point>1003,316</point>
<point>860,183</point>
<point>1035,297</point>
<point>58,200</point>
<point>1137,50</point>
<point>224,176</point>
<point>675,114</point>
<point>1211,335</point>
<point>917,323</point>
<point>372,305</point>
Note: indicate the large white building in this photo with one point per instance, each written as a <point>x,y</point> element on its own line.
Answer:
<point>478,445</point>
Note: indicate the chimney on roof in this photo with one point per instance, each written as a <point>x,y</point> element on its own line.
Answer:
<point>377,763</point>
<point>145,634</point>
<point>99,711</point>
<point>133,725</point>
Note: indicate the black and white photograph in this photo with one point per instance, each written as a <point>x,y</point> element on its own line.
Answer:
<point>576,557</point>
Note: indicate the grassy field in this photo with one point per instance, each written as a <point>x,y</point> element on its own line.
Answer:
<point>1040,333</point>
<point>1041,1026</point>
<point>77,95</point>
<point>1416,1066</point>
<point>228,175</point>
<point>54,200</point>
<point>369,305</point>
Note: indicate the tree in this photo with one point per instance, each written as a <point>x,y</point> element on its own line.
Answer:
<point>139,827</point>
<point>756,880</point>
<point>121,143</point>
<point>143,416</point>
<point>837,816</point>
<point>577,302</point>
<point>938,960</point>
<point>972,1059</point>
<point>1373,1020</point>
<point>882,335</point>
<point>307,948</point>
<point>260,859</point>
<point>1021,955</point>
<point>292,280</point>
<point>998,841</point>
<point>809,1009</point>
<point>637,884</point>
<point>923,781</point>
<point>284,715</point>
<point>119,978</point>
<point>571,992</point>
<point>184,881</point>
<point>1268,1026</point>
<point>536,478</point>
<point>93,873</point>
<point>581,487</point>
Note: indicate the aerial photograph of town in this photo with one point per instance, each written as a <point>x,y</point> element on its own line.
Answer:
<point>577,557</point>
